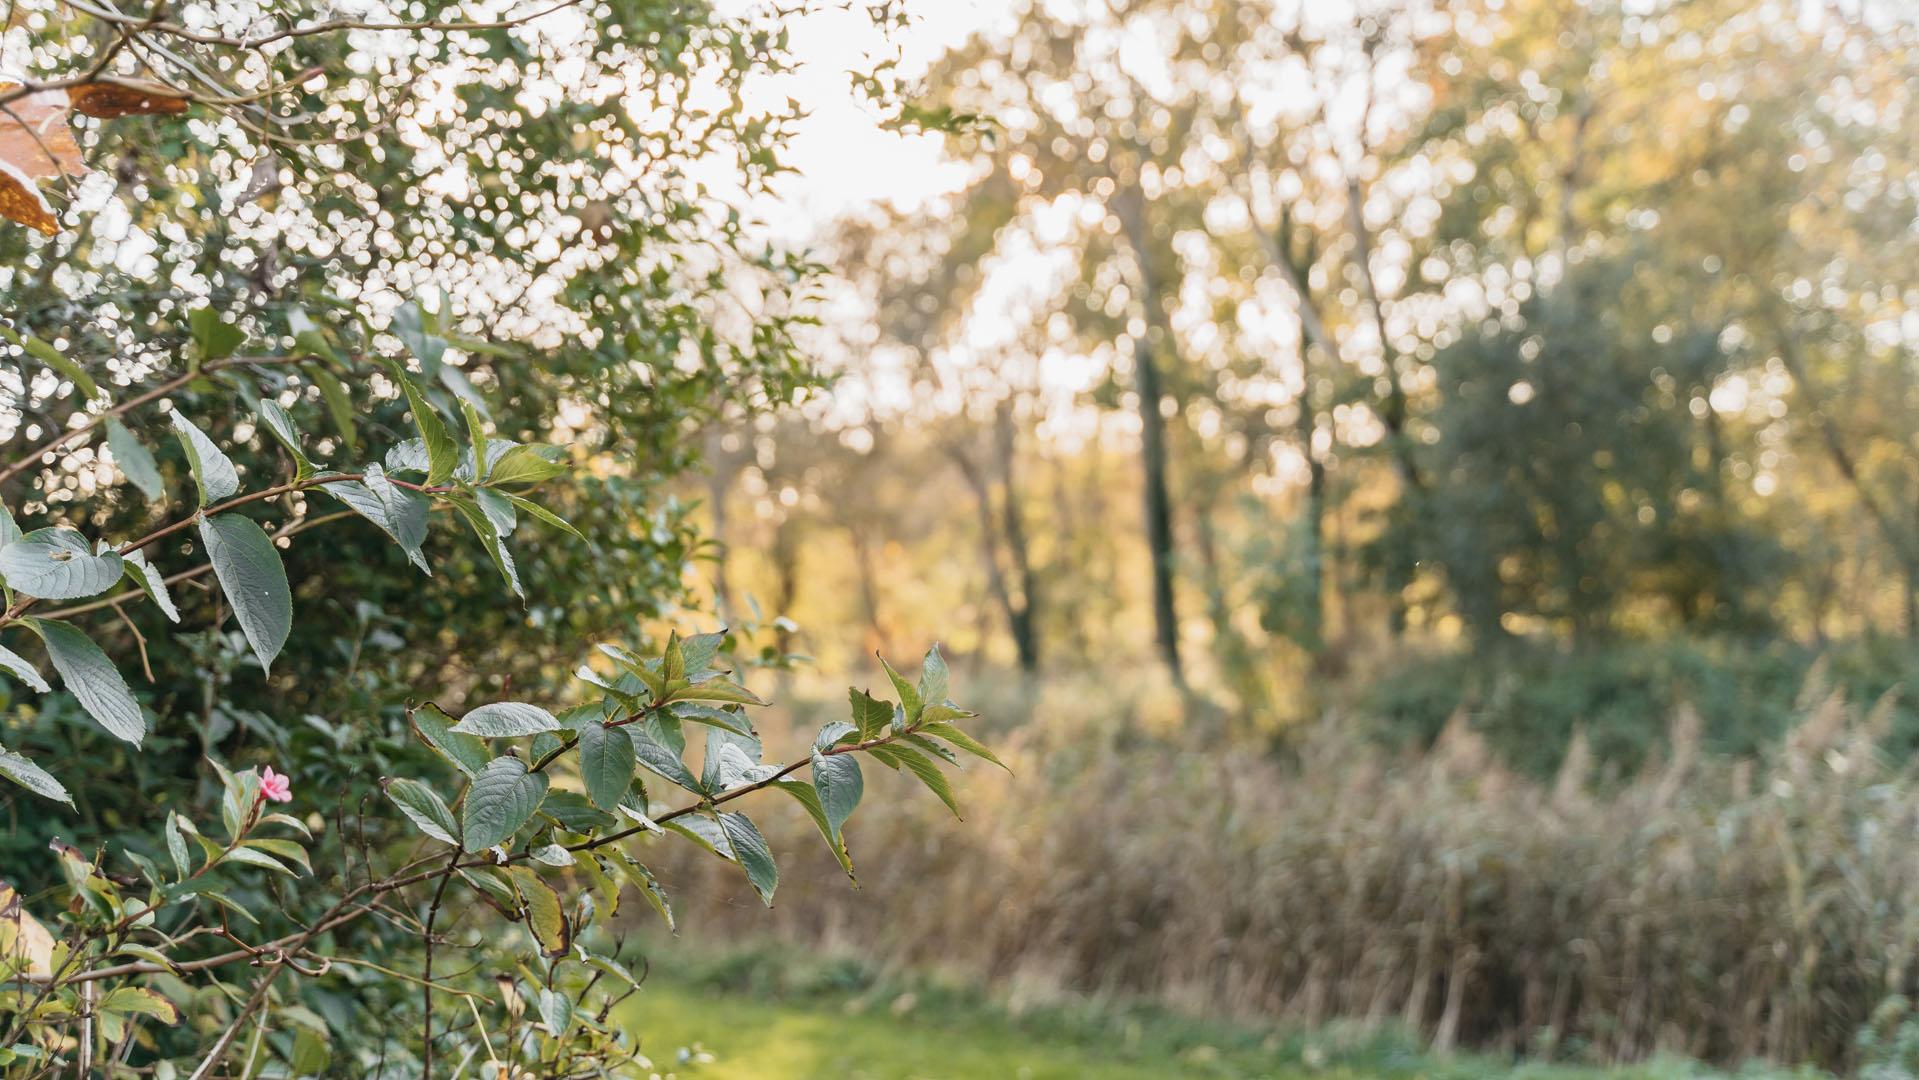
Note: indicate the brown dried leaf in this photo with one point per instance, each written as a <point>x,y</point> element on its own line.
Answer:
<point>21,201</point>
<point>110,101</point>
<point>34,135</point>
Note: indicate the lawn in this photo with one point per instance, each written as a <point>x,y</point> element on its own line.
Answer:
<point>696,1031</point>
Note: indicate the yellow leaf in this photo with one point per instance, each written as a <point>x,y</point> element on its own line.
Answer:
<point>543,912</point>
<point>22,938</point>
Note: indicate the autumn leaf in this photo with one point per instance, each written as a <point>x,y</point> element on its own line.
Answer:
<point>34,135</point>
<point>25,944</point>
<point>110,101</point>
<point>21,201</point>
<point>35,142</point>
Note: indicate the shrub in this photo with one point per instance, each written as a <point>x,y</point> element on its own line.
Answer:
<point>384,293</point>
<point>1715,907</point>
<point>1528,699</point>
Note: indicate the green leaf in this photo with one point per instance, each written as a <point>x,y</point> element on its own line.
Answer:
<point>493,887</point>
<point>213,337</point>
<point>593,868</point>
<point>506,720</point>
<point>837,779</point>
<point>424,807</point>
<point>613,968</point>
<point>606,763</point>
<point>673,658</point>
<point>92,679</point>
<point>870,715</point>
<point>20,669</point>
<point>230,904</point>
<point>254,580</point>
<point>963,741</point>
<point>32,777</point>
<point>498,510</point>
<point>442,454</point>
<point>501,799</point>
<point>399,512</point>
<point>809,798</point>
<point>247,856</point>
<point>556,1011</point>
<point>140,1001</point>
<point>700,650</point>
<point>282,849</point>
<point>528,463</point>
<point>732,760</point>
<point>909,696</point>
<point>476,438</point>
<point>718,689</point>
<point>419,330</point>
<point>482,526</point>
<point>177,844</point>
<point>55,359</point>
<point>307,335</point>
<point>575,812</point>
<point>734,722</point>
<point>339,404</point>
<point>651,752</point>
<point>149,579</point>
<point>933,677</point>
<point>281,426</point>
<point>933,748</point>
<point>929,773</point>
<point>135,461</point>
<point>435,728</point>
<point>832,734</point>
<point>213,471</point>
<point>545,515</point>
<point>638,875</point>
<point>553,855</point>
<point>942,712</point>
<point>58,564</point>
<point>750,850</point>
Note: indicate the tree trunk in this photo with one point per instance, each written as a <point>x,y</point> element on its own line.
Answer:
<point>1393,411</point>
<point>869,589</point>
<point>1903,544</point>
<point>1018,620</point>
<point>786,565</point>
<point>1025,625</point>
<point>1315,535</point>
<point>1151,394</point>
<point>719,480</point>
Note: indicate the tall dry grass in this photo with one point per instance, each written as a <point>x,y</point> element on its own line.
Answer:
<point>1726,910</point>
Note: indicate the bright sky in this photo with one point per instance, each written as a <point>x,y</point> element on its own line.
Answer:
<point>845,159</point>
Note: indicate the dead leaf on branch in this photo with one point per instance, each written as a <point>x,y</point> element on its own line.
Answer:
<point>34,135</point>
<point>110,101</point>
<point>36,139</point>
<point>25,945</point>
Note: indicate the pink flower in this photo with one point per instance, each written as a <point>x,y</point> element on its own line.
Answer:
<point>274,786</point>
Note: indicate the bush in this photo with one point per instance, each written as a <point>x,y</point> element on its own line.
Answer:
<point>1527,699</point>
<point>364,403</point>
<point>1711,907</point>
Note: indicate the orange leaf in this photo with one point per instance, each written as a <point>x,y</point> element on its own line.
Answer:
<point>109,101</point>
<point>21,201</point>
<point>34,136</point>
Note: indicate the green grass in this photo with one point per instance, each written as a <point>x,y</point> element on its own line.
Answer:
<point>754,1017</point>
